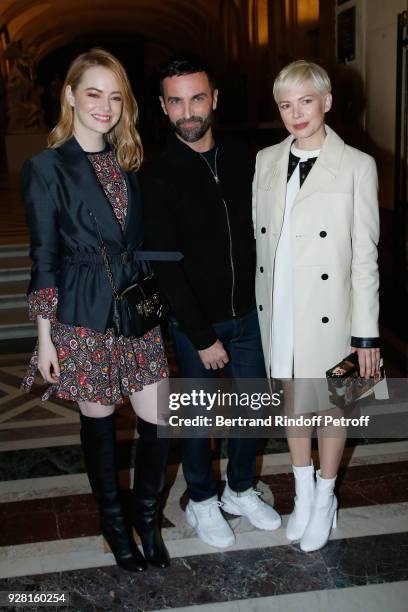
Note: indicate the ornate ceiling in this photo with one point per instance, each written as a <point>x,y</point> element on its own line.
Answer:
<point>47,25</point>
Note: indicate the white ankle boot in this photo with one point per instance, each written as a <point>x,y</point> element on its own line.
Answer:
<point>324,515</point>
<point>304,489</point>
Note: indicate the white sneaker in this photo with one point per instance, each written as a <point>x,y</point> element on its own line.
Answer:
<point>249,504</point>
<point>210,525</point>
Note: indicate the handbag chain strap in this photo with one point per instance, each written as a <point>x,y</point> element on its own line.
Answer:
<point>105,258</point>
<point>109,273</point>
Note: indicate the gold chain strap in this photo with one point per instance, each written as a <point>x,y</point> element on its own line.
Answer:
<point>109,273</point>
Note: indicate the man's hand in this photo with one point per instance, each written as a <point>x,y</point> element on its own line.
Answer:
<point>368,359</point>
<point>214,357</point>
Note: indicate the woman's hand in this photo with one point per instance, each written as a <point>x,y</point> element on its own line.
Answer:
<point>48,365</point>
<point>48,362</point>
<point>368,359</point>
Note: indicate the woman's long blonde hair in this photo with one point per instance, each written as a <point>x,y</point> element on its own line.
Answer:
<point>124,137</point>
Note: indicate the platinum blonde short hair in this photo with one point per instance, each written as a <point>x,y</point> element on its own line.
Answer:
<point>298,72</point>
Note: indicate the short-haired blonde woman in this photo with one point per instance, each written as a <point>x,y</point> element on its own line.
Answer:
<point>315,211</point>
<point>86,179</point>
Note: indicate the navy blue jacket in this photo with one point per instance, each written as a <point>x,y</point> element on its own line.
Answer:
<point>60,189</point>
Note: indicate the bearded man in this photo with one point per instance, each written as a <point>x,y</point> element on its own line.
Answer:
<point>197,196</point>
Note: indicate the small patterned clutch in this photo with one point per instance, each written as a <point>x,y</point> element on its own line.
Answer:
<point>345,384</point>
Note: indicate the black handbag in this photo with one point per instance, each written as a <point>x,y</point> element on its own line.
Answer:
<point>139,307</point>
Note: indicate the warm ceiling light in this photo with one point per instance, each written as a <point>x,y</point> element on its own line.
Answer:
<point>307,11</point>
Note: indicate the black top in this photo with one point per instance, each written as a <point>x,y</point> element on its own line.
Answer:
<point>211,157</point>
<point>305,167</point>
<point>186,210</point>
<point>60,189</point>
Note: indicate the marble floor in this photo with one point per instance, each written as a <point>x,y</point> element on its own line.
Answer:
<point>50,539</point>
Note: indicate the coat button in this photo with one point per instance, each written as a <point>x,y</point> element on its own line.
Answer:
<point>261,269</point>
<point>323,234</point>
<point>260,307</point>
<point>325,319</point>
<point>325,276</point>
<point>263,230</point>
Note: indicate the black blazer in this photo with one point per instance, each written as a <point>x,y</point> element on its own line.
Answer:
<point>60,188</point>
<point>211,225</point>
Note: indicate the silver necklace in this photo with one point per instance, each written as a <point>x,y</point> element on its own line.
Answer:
<point>215,174</point>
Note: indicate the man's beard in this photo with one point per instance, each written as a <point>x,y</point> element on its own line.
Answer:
<point>192,134</point>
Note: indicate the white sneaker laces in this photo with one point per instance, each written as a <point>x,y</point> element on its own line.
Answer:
<point>215,504</point>
<point>256,493</point>
<point>254,497</point>
<point>209,509</point>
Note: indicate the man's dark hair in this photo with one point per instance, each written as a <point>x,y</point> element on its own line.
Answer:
<point>185,64</point>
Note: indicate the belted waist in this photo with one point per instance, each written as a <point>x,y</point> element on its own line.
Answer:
<point>123,257</point>
<point>96,258</point>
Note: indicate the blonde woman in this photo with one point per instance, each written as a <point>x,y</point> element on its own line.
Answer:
<point>315,213</point>
<point>85,182</point>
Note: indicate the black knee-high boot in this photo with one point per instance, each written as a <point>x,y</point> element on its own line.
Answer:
<point>98,445</point>
<point>149,480</point>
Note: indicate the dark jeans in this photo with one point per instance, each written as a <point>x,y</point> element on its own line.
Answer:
<point>241,339</point>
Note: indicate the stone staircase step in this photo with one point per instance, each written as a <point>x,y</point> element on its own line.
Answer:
<point>8,275</point>
<point>9,301</point>
<point>15,268</point>
<point>17,261</point>
<point>14,274</point>
<point>15,265</point>
<point>13,295</point>
<point>14,316</point>
<point>14,323</point>
<point>14,250</point>
<point>13,288</point>
<point>22,330</point>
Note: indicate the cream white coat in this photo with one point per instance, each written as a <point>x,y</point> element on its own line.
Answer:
<point>334,232</point>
